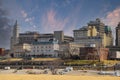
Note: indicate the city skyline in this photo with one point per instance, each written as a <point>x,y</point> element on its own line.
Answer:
<point>46,16</point>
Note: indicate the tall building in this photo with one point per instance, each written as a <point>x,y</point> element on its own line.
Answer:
<point>99,26</point>
<point>86,31</point>
<point>95,33</point>
<point>15,35</point>
<point>118,35</point>
<point>108,36</point>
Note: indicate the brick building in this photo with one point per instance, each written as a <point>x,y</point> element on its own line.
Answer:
<point>92,53</point>
<point>2,51</point>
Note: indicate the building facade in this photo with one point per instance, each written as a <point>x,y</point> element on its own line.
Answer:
<point>20,50</point>
<point>2,51</point>
<point>44,49</point>
<point>118,35</point>
<point>99,26</point>
<point>95,33</point>
<point>92,53</point>
<point>28,37</point>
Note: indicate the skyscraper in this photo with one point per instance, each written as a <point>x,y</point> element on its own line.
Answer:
<point>118,35</point>
<point>99,26</point>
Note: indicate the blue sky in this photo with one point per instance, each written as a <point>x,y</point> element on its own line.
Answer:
<point>46,16</point>
<point>49,15</point>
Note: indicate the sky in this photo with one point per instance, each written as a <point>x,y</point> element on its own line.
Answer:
<point>46,16</point>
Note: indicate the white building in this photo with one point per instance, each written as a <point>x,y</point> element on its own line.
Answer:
<point>46,49</point>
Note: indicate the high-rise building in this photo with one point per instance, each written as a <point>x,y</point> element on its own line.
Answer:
<point>118,35</point>
<point>15,35</point>
<point>99,26</point>
<point>95,33</point>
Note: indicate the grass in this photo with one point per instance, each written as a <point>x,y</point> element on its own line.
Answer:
<point>45,59</point>
<point>11,59</point>
<point>91,62</point>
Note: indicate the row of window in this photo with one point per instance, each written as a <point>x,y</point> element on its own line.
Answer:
<point>42,46</point>
<point>41,50</point>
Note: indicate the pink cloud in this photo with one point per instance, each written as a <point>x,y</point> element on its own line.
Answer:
<point>112,17</point>
<point>50,22</point>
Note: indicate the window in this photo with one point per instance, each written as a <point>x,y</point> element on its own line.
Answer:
<point>33,50</point>
<point>37,50</point>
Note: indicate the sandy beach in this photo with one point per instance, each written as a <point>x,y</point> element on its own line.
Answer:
<point>54,77</point>
<point>72,75</point>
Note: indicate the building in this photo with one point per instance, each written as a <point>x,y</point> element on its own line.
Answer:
<point>45,37</point>
<point>99,26</point>
<point>28,37</point>
<point>86,31</point>
<point>114,55</point>
<point>2,51</point>
<point>118,35</point>
<point>95,33</point>
<point>112,51</point>
<point>20,50</point>
<point>15,36</point>
<point>59,35</point>
<point>86,36</point>
<point>69,50</point>
<point>108,35</point>
<point>92,53</point>
<point>44,49</point>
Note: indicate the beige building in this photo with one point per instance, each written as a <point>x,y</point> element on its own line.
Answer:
<point>20,50</point>
<point>86,31</point>
<point>95,33</point>
<point>86,36</point>
<point>69,49</point>
<point>99,25</point>
<point>59,35</point>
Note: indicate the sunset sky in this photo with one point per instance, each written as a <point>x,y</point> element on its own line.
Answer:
<point>46,16</point>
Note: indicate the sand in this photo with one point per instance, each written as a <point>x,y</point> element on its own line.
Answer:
<point>54,77</point>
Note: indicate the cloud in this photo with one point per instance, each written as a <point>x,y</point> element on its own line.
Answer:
<point>28,19</point>
<point>5,27</point>
<point>51,22</point>
<point>24,14</point>
<point>112,18</point>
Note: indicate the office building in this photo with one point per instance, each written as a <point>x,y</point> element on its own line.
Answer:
<point>118,35</point>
